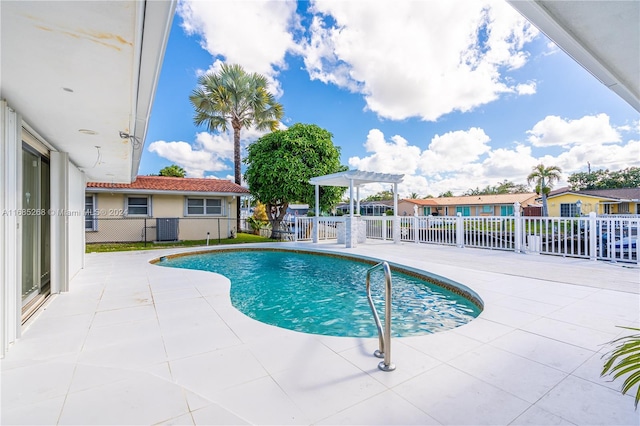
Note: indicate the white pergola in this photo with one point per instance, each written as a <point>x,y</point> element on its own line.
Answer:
<point>355,179</point>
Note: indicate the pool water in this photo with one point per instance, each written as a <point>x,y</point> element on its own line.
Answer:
<point>326,295</point>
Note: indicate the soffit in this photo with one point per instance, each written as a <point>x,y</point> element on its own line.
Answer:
<point>73,69</point>
<point>602,36</point>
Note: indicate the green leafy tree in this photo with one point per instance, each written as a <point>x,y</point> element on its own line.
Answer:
<point>380,196</point>
<point>237,99</point>
<point>172,171</point>
<point>280,165</point>
<point>414,196</point>
<point>446,194</point>
<point>544,178</point>
<point>605,179</point>
<point>504,187</point>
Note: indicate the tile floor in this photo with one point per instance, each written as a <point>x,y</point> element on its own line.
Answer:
<point>134,343</point>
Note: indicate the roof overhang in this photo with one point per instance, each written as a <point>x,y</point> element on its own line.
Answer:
<point>601,35</point>
<point>103,190</point>
<point>83,75</point>
<point>355,178</point>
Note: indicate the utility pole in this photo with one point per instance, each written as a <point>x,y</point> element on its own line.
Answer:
<point>589,167</point>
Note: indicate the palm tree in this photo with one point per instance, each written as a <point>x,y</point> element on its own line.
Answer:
<point>544,177</point>
<point>234,97</point>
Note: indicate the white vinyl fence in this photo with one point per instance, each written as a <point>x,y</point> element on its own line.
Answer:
<point>612,238</point>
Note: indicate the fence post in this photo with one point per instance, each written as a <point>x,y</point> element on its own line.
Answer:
<point>145,231</point>
<point>517,227</point>
<point>459,230</point>
<point>384,228</point>
<point>416,228</point>
<point>592,229</point>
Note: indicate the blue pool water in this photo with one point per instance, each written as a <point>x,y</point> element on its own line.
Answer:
<point>321,294</point>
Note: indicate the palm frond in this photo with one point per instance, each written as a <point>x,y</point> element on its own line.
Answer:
<point>625,359</point>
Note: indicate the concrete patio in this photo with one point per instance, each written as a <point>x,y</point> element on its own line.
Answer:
<point>135,343</point>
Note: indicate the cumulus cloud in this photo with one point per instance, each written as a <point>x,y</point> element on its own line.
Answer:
<point>431,59</point>
<point>395,156</point>
<point>454,150</point>
<point>557,131</point>
<point>208,153</point>
<point>260,44</point>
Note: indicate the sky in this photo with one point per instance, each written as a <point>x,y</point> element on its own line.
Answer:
<point>454,94</point>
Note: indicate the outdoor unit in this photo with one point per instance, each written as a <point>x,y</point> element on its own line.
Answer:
<point>167,228</point>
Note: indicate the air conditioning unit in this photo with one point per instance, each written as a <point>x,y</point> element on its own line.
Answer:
<point>167,229</point>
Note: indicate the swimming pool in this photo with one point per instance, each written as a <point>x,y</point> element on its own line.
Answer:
<point>325,294</point>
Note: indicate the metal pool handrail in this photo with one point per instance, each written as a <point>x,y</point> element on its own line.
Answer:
<point>384,338</point>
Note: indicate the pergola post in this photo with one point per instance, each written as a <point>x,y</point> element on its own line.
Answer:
<point>396,219</point>
<point>316,218</point>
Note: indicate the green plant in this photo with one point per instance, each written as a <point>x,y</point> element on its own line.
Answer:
<point>256,224</point>
<point>625,359</point>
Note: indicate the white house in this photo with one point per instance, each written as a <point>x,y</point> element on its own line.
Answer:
<point>77,84</point>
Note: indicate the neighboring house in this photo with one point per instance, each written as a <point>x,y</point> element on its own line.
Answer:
<point>367,208</point>
<point>471,205</point>
<point>421,207</point>
<point>564,202</point>
<point>158,208</point>
<point>78,80</point>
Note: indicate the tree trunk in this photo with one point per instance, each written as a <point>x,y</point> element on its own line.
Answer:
<point>275,213</point>
<point>237,163</point>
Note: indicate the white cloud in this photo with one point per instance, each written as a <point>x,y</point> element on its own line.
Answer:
<point>254,34</point>
<point>556,131</point>
<point>194,162</point>
<point>431,59</point>
<point>526,88</point>
<point>454,150</point>
<point>396,156</point>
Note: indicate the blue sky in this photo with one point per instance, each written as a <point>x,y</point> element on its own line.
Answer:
<point>454,94</point>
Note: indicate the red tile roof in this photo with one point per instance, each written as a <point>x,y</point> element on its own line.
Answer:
<point>174,184</point>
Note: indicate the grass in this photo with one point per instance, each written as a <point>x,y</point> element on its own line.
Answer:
<point>110,247</point>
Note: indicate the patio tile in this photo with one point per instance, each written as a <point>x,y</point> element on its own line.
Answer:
<point>248,398</point>
<point>453,397</point>
<point>383,409</point>
<point>519,376</point>
<point>536,416</point>
<point>33,384</point>
<point>140,400</point>
<point>583,402</point>
<point>214,414</point>
<point>123,315</point>
<point>508,316</point>
<point>409,362</point>
<point>577,335</point>
<point>323,387</point>
<point>135,354</point>
<point>183,342</point>
<point>184,420</point>
<point>527,305</point>
<point>482,329</point>
<point>550,352</point>
<point>444,345</point>
<point>45,412</point>
<point>207,374</point>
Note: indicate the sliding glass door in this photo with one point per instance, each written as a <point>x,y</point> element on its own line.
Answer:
<point>35,229</point>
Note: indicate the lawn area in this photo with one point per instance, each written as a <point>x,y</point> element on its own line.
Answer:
<point>109,247</point>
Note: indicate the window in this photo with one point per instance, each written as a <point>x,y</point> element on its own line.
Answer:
<point>506,210</point>
<point>623,208</point>
<point>487,209</point>
<point>90,216</point>
<point>569,210</point>
<point>465,210</point>
<point>426,211</point>
<point>204,206</point>
<point>607,208</point>
<point>138,206</point>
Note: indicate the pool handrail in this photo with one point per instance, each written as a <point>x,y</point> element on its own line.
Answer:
<point>384,337</point>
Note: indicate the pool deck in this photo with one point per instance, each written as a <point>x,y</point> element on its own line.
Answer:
<point>135,343</point>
